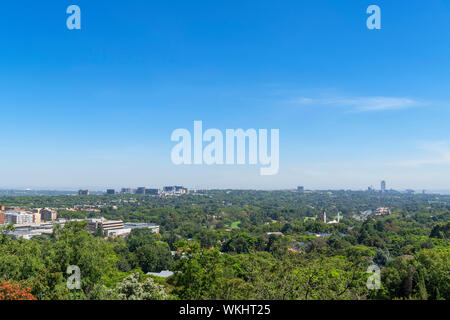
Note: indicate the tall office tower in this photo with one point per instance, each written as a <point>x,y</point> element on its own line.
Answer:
<point>300,189</point>
<point>110,191</point>
<point>383,186</point>
<point>152,191</point>
<point>140,190</point>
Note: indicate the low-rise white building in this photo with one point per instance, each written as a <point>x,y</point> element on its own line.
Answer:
<point>18,217</point>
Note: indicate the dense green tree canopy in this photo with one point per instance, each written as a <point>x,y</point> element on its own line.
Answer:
<point>238,245</point>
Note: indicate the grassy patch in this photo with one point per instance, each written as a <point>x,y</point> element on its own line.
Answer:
<point>235,225</point>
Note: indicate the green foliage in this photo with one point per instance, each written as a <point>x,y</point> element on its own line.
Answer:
<point>243,243</point>
<point>441,231</point>
<point>217,258</point>
<point>134,287</point>
<point>154,258</point>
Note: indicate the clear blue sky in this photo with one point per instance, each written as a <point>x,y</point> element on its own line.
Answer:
<point>96,107</point>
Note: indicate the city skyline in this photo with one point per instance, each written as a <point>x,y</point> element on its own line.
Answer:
<point>135,189</point>
<point>96,107</point>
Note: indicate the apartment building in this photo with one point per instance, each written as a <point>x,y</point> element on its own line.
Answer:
<point>18,217</point>
<point>48,214</point>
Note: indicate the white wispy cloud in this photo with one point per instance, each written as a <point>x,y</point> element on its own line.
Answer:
<point>438,154</point>
<point>362,104</point>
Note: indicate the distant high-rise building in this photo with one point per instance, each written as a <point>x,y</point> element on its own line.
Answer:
<point>383,186</point>
<point>180,190</point>
<point>152,191</point>
<point>128,191</point>
<point>300,189</point>
<point>83,192</point>
<point>175,190</point>
<point>110,191</point>
<point>140,190</point>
